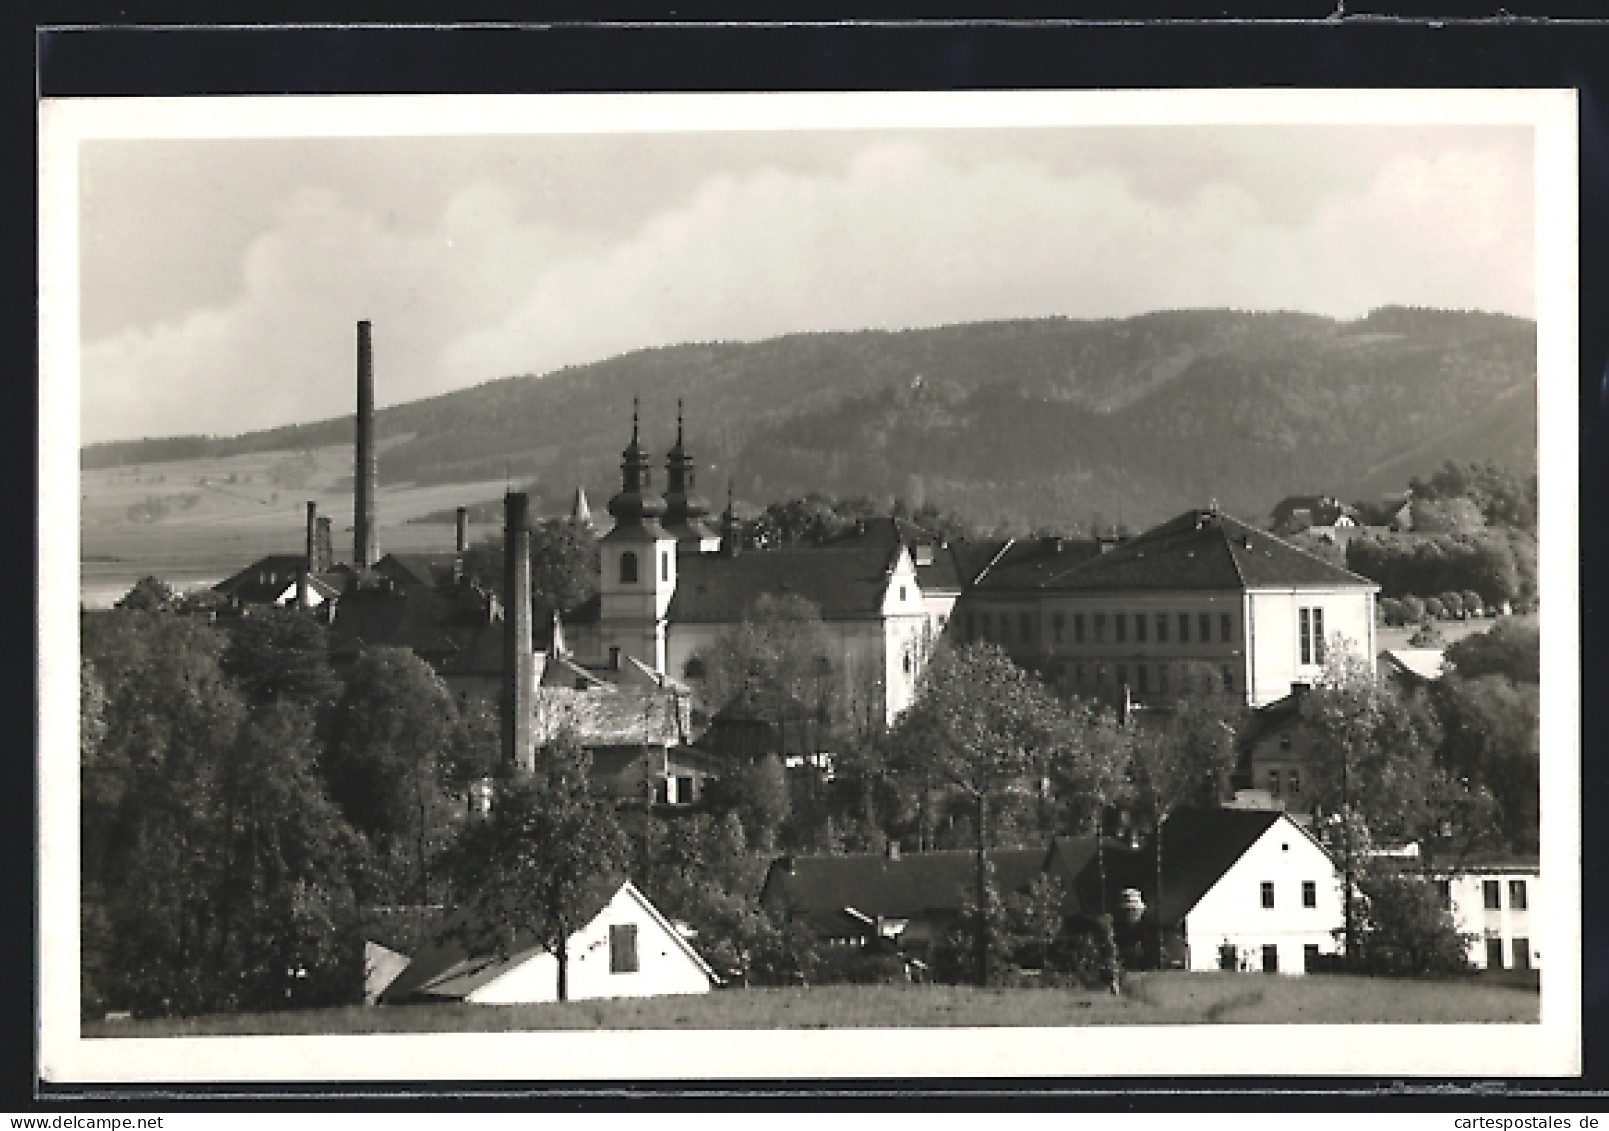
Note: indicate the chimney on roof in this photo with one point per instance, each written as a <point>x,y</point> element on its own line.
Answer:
<point>323,546</point>
<point>519,663</point>
<point>461,536</point>
<point>366,535</point>
<point>1051,543</point>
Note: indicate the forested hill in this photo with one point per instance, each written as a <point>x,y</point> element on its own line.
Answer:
<point>1039,421</point>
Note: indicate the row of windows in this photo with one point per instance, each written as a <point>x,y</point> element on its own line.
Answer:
<point>1309,893</point>
<point>1492,895</point>
<point>1099,676</point>
<point>1229,957</point>
<point>1099,628</point>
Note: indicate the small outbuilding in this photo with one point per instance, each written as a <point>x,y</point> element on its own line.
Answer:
<point>626,949</point>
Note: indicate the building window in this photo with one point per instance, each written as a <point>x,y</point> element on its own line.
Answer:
<point>1268,893</point>
<point>1294,786</point>
<point>1494,953</point>
<point>1309,893</point>
<point>1226,627</point>
<point>694,668</point>
<point>1229,678</point>
<point>1270,958</point>
<point>1078,674</point>
<point>1078,628</point>
<point>1122,675</point>
<point>1309,957</point>
<point>1025,625</point>
<point>1139,628</point>
<point>1516,895</point>
<point>1120,627</point>
<point>1522,953</point>
<point>1444,888</point>
<point>628,568</point>
<point>902,592</point>
<point>1310,627</point>
<point>1184,628</point>
<point>1100,675</point>
<point>1140,682</point>
<point>1273,783</point>
<point>1162,679</point>
<point>1492,892</point>
<point>623,948</point>
<point>1162,628</point>
<point>1204,623</point>
<point>1057,623</point>
<point>664,565</point>
<point>1100,628</point>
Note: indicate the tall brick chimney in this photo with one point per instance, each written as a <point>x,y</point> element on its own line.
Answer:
<point>518,661</point>
<point>366,533</point>
<point>309,559</point>
<point>461,544</point>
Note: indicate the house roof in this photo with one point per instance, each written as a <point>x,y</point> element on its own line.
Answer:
<point>1198,847</point>
<point>607,715</point>
<point>446,968</point>
<point>820,888</point>
<point>409,570</point>
<point>450,628</point>
<point>1417,663</point>
<point>887,533</point>
<point>844,584</point>
<point>1031,563</point>
<point>1203,550</point>
<point>264,581</point>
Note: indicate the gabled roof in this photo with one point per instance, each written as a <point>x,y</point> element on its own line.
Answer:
<point>819,889</point>
<point>1204,550</point>
<point>411,570</point>
<point>846,584</point>
<point>886,532</point>
<point>1031,563</point>
<point>1198,847</point>
<point>446,969</point>
<point>263,582</point>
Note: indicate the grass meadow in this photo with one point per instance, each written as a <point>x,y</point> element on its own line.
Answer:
<point>1148,999</point>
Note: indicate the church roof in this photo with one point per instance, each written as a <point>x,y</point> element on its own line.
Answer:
<point>935,570</point>
<point>845,584</point>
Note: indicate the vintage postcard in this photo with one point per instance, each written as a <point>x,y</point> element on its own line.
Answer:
<point>821,586</point>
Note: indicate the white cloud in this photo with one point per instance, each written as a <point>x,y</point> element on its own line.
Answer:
<point>896,238</point>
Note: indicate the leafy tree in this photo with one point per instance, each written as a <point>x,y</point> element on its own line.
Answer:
<point>1492,731</point>
<point>542,862</point>
<point>778,658</point>
<point>276,653</point>
<point>564,566</point>
<point>149,594</point>
<point>1371,761</point>
<point>1404,929</point>
<point>977,729</point>
<point>757,794</point>
<point>214,869</point>
<point>1510,648</point>
<point>392,734</point>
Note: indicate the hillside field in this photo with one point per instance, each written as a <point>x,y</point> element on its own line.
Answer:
<point>1148,999</point>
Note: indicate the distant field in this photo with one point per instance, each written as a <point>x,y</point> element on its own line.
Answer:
<point>195,522</point>
<point>1148,999</point>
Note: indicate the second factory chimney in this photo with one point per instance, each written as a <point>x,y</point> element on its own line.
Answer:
<point>461,541</point>
<point>519,664</point>
<point>366,532</point>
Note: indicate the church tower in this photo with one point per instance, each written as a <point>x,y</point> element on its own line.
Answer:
<point>685,511</point>
<point>638,560</point>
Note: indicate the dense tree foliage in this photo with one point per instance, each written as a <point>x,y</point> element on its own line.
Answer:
<point>542,863</point>
<point>564,566</point>
<point>1404,929</point>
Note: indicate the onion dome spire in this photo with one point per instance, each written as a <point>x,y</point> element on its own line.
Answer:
<point>635,502</point>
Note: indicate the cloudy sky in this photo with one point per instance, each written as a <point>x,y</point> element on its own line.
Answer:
<point>220,279</point>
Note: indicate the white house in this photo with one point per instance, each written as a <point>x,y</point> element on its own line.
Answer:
<point>1492,901</point>
<point>1242,890</point>
<point>627,949</point>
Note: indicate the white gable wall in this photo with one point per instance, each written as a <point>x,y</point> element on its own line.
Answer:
<point>1232,909</point>
<point>1273,635</point>
<point>664,963</point>
<point>1495,931</point>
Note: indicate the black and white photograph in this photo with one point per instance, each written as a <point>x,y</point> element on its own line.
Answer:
<point>898,585</point>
